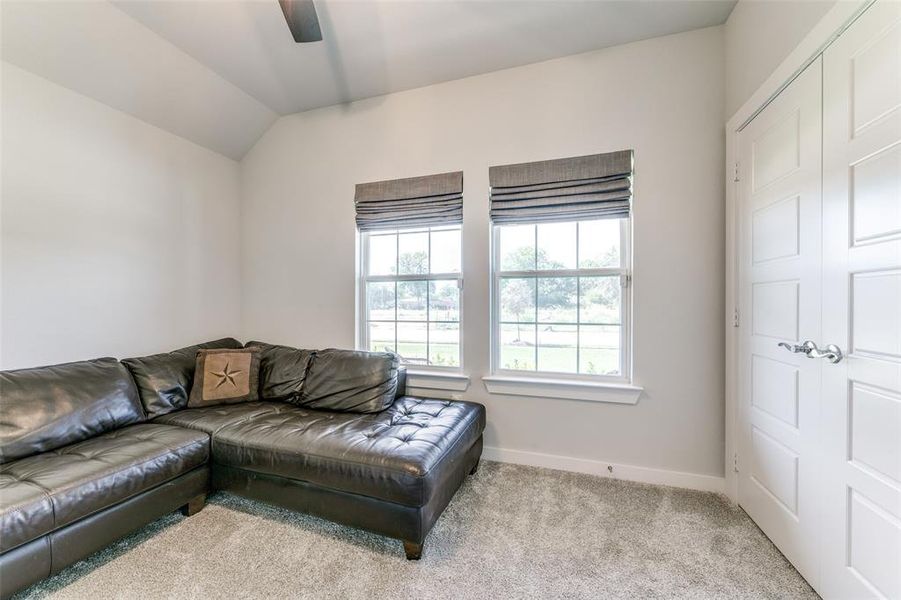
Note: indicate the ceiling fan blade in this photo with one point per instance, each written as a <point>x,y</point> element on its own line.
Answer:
<point>302,20</point>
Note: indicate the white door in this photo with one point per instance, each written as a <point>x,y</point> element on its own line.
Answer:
<point>862,307</point>
<point>779,302</point>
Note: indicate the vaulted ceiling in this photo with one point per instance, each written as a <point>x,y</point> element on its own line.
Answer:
<point>220,72</point>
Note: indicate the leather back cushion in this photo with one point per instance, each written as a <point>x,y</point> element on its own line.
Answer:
<point>46,408</point>
<point>164,380</point>
<point>282,371</point>
<point>351,381</point>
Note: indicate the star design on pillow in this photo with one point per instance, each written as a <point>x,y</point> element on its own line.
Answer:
<point>226,375</point>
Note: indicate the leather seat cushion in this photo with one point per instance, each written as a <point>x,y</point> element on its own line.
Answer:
<point>25,512</point>
<point>211,419</point>
<point>399,455</point>
<point>47,491</point>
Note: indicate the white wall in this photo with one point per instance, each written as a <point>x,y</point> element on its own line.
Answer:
<point>117,237</point>
<point>663,97</point>
<point>759,35</point>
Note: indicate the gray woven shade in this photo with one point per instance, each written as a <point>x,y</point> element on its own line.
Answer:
<point>597,186</point>
<point>411,202</point>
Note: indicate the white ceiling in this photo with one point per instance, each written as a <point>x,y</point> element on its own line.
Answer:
<point>99,51</point>
<point>218,72</point>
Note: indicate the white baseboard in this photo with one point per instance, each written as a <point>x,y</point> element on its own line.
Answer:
<point>707,483</point>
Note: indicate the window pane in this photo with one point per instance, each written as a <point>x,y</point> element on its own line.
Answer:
<point>518,299</point>
<point>557,348</point>
<point>382,254</point>
<point>517,251</point>
<point>444,301</point>
<point>557,300</point>
<point>444,344</point>
<point>599,349</point>
<point>380,300</point>
<point>411,342</point>
<point>599,244</point>
<point>577,319</point>
<point>446,251</point>
<point>517,349</point>
<point>381,337</point>
<point>413,249</point>
<point>411,300</point>
<point>557,246</point>
<point>600,300</point>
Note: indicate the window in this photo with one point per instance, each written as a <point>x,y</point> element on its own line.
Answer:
<point>561,298</point>
<point>411,294</point>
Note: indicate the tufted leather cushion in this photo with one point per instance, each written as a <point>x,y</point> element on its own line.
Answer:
<point>400,454</point>
<point>47,491</point>
<point>49,407</point>
<point>164,380</point>
<point>213,418</point>
<point>350,380</point>
<point>282,371</point>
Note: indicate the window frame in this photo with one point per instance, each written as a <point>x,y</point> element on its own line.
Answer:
<point>364,279</point>
<point>624,271</point>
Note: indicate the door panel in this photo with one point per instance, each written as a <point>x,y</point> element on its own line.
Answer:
<point>776,231</point>
<point>862,307</point>
<point>874,63</point>
<point>777,151</point>
<point>876,187</point>
<point>775,309</point>
<point>775,469</point>
<point>875,323</point>
<point>875,428</point>
<point>779,272</point>
<point>774,389</point>
<point>873,556</point>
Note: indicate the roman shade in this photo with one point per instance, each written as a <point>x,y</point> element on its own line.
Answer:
<point>597,186</point>
<point>411,202</point>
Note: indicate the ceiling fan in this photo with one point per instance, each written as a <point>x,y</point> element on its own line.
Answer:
<point>302,20</point>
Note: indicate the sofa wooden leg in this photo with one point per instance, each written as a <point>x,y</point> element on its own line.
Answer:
<point>413,550</point>
<point>194,505</point>
<point>475,467</point>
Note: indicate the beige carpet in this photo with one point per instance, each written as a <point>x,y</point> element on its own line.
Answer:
<point>511,532</point>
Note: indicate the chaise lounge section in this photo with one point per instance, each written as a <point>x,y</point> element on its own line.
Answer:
<point>391,472</point>
<point>90,451</point>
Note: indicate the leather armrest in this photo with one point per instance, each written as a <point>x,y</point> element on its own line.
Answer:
<point>401,382</point>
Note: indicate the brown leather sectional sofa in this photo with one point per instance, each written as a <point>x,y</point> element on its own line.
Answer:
<point>92,450</point>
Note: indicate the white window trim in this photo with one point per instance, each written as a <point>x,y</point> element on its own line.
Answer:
<point>434,375</point>
<point>432,380</point>
<point>601,388</point>
<point>565,389</point>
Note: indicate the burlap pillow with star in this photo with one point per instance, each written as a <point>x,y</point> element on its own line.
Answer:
<point>225,377</point>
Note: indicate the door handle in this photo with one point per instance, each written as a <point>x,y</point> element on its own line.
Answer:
<point>805,348</point>
<point>832,353</point>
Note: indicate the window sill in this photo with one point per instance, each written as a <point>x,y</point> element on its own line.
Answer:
<point>434,380</point>
<point>567,389</point>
